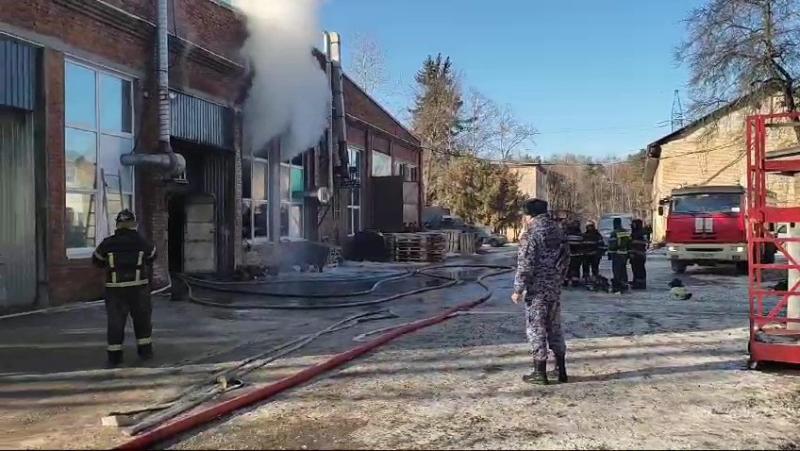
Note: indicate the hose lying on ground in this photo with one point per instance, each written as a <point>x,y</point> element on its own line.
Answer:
<point>190,397</point>
<point>183,424</point>
<point>80,305</point>
<point>229,287</point>
<point>422,271</point>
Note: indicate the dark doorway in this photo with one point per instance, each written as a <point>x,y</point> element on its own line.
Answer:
<point>175,226</point>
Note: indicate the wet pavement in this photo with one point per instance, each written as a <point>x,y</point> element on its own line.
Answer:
<point>52,364</point>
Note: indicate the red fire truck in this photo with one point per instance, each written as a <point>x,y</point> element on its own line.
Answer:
<point>706,226</point>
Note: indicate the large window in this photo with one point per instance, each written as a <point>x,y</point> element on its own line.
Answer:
<point>99,129</point>
<point>255,190</point>
<point>408,171</point>
<point>354,201</point>
<point>381,164</point>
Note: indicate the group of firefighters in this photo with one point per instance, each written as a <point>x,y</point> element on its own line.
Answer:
<point>587,248</point>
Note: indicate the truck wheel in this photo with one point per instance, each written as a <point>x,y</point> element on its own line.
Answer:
<point>678,267</point>
<point>769,255</point>
<point>742,268</point>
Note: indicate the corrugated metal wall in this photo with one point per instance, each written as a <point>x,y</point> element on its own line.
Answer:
<point>210,171</point>
<point>196,120</point>
<point>217,180</point>
<point>17,74</point>
<point>17,210</point>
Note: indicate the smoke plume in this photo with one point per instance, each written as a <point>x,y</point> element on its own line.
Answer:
<point>290,96</point>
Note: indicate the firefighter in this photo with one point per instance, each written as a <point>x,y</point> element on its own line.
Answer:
<point>127,259</point>
<point>638,255</point>
<point>576,253</point>
<point>619,245</point>
<point>594,249</point>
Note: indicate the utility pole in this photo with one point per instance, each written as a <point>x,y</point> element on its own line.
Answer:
<point>676,118</point>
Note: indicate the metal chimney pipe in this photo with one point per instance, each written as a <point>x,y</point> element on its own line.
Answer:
<point>163,78</point>
<point>168,161</point>
<point>339,115</point>
<point>329,134</point>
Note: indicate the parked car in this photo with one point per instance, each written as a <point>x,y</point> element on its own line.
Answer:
<point>606,225</point>
<point>487,237</point>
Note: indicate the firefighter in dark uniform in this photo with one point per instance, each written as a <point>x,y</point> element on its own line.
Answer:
<point>576,252</point>
<point>638,255</point>
<point>619,245</point>
<point>594,249</point>
<point>127,258</point>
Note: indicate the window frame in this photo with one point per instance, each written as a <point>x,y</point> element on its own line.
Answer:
<point>390,162</point>
<point>252,160</point>
<point>354,208</point>
<point>77,253</point>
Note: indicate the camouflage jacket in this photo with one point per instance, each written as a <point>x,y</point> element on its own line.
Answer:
<point>543,258</point>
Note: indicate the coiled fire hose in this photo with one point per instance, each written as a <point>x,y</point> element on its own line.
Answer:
<point>185,423</point>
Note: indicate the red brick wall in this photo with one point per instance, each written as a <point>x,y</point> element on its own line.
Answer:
<point>404,153</point>
<point>358,104</point>
<point>213,26</point>
<point>68,280</point>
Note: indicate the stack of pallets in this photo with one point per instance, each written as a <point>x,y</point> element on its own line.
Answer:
<point>460,242</point>
<point>425,247</point>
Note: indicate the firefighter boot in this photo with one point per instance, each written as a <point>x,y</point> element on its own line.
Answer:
<point>561,365</point>
<point>114,358</point>
<point>539,374</point>
<point>145,351</point>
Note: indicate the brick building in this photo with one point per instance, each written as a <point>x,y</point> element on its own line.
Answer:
<point>79,90</point>
<point>532,184</point>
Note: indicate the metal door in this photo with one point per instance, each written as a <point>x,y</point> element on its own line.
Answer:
<point>200,235</point>
<point>17,210</point>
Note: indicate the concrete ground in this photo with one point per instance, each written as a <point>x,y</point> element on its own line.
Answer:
<point>646,372</point>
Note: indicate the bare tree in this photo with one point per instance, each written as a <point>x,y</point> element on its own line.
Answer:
<point>736,46</point>
<point>368,64</point>
<point>481,115</point>
<point>510,135</point>
<point>492,131</point>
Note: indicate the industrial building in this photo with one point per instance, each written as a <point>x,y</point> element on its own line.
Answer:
<point>79,89</point>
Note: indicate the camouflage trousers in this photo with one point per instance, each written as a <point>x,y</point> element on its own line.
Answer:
<point>543,325</point>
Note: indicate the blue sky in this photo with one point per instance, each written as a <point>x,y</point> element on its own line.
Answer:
<point>595,77</point>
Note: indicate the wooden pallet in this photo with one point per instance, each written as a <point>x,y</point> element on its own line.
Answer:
<point>416,247</point>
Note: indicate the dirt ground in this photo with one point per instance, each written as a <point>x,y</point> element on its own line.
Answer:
<point>646,372</point>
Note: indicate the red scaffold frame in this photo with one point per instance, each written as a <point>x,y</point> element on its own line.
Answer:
<point>772,339</point>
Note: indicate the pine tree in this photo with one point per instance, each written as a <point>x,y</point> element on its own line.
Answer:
<point>437,118</point>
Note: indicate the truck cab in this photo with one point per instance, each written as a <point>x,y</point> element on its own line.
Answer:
<point>706,226</point>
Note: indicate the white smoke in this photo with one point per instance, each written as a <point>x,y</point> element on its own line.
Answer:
<point>290,96</point>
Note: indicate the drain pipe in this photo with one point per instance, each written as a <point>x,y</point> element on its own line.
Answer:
<point>166,161</point>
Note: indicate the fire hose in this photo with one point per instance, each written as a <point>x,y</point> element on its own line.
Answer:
<point>207,414</point>
<point>224,287</point>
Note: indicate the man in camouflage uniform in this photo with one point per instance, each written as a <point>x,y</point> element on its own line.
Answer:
<point>542,261</point>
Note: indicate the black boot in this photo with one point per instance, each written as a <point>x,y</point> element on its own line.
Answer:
<point>145,352</point>
<point>114,358</point>
<point>539,374</point>
<point>561,364</point>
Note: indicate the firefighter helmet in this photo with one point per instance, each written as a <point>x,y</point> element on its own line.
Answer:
<point>126,216</point>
